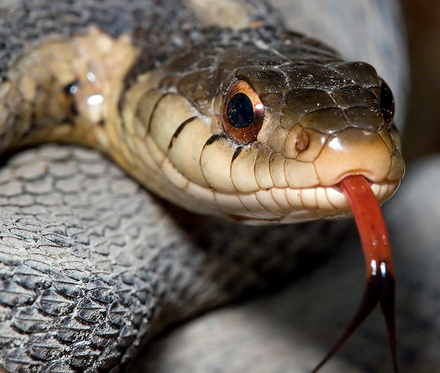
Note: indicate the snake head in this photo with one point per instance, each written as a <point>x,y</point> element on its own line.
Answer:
<point>270,130</point>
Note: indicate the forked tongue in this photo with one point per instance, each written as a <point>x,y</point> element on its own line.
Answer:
<point>380,281</point>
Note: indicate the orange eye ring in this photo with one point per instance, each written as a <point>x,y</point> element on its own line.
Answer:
<point>243,113</point>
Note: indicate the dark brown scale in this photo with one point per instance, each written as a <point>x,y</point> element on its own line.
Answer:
<point>180,129</point>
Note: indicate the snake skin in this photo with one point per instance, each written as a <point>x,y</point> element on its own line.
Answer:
<point>91,265</point>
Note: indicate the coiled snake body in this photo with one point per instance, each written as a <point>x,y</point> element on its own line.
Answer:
<point>213,106</point>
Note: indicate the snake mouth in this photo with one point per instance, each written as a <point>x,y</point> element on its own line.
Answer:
<point>290,205</point>
<point>330,199</point>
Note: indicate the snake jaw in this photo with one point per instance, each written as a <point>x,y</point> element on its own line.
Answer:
<point>288,205</point>
<point>284,205</point>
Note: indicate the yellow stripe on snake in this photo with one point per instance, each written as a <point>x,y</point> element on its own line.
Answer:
<point>212,106</point>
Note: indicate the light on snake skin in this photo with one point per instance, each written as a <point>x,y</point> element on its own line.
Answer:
<point>95,100</point>
<point>335,144</point>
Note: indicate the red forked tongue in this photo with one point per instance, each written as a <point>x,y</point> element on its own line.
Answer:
<point>380,274</point>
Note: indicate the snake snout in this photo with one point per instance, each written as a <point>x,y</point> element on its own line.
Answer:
<point>358,152</point>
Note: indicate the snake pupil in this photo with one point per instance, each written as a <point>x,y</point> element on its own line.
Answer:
<point>240,111</point>
<point>386,102</point>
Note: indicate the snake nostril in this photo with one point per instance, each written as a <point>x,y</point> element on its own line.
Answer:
<point>302,142</point>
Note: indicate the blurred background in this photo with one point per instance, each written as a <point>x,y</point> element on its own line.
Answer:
<point>422,134</point>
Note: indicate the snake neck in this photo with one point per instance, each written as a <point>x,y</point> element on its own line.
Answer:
<point>55,44</point>
<point>63,78</point>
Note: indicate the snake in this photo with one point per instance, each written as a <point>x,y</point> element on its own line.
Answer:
<point>236,125</point>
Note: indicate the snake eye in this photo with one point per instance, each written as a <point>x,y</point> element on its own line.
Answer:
<point>386,102</point>
<point>240,111</point>
<point>243,113</point>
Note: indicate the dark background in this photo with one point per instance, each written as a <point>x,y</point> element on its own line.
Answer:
<point>422,134</point>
